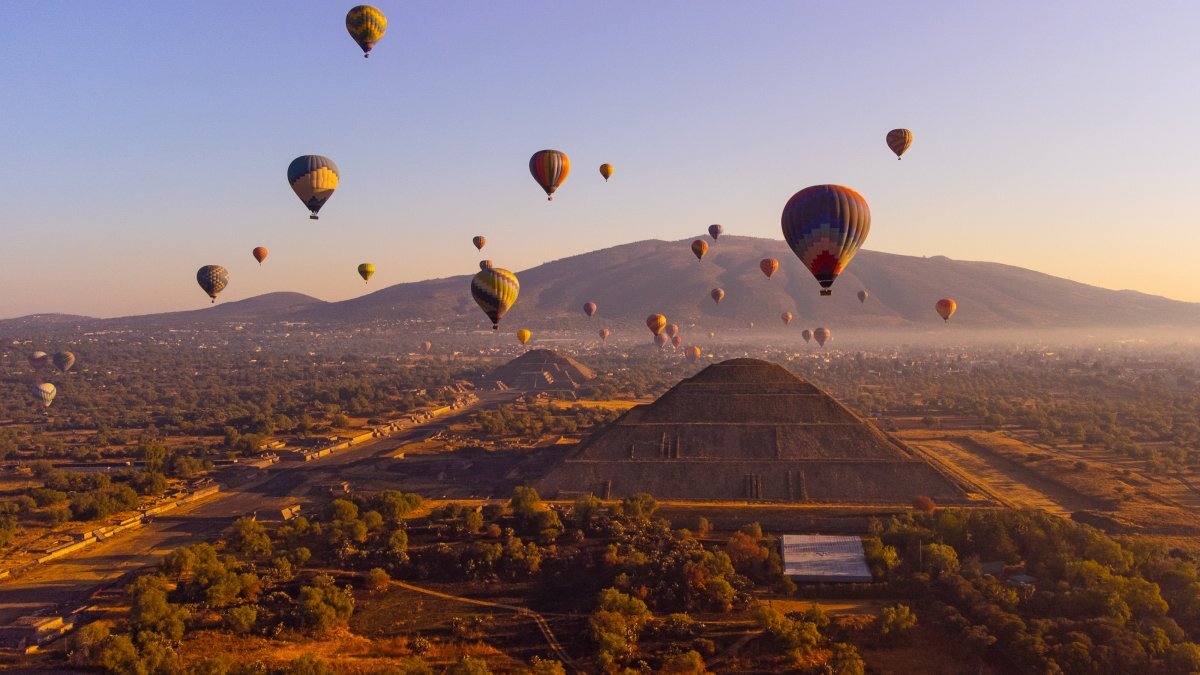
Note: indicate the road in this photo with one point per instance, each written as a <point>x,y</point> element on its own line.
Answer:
<point>67,584</point>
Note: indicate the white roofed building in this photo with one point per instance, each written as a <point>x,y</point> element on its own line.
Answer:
<point>825,558</point>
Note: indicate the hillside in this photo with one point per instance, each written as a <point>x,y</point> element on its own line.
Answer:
<point>630,281</point>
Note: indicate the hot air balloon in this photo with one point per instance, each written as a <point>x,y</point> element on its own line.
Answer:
<point>825,225</point>
<point>549,169</point>
<point>485,264</point>
<point>38,359</point>
<point>946,308</point>
<point>44,392</point>
<point>717,294</point>
<point>259,253</point>
<point>64,360</point>
<point>806,334</point>
<point>656,323</point>
<point>427,346</point>
<point>480,241</point>
<point>822,335</point>
<point>366,271</point>
<point>589,308</point>
<point>606,170</point>
<point>495,290</point>
<point>715,231</point>
<point>213,279</point>
<point>712,333</point>
<point>750,324</point>
<point>523,335</point>
<point>672,329</point>
<point>692,353</point>
<point>313,178</point>
<point>699,248</point>
<point>787,318</point>
<point>661,340</point>
<point>604,333</point>
<point>677,341</point>
<point>367,26</point>
<point>899,140</point>
<point>768,266</point>
<point>863,295</point>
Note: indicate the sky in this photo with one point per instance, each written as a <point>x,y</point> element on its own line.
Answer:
<point>142,140</point>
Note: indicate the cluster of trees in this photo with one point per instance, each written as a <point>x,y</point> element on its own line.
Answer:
<point>535,419</point>
<point>1097,604</point>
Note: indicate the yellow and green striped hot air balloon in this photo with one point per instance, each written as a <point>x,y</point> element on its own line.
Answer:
<point>495,290</point>
<point>366,271</point>
<point>366,25</point>
<point>313,178</point>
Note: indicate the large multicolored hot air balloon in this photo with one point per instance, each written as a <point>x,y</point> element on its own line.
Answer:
<point>768,266</point>
<point>259,253</point>
<point>661,340</point>
<point>806,334</point>
<point>699,248</point>
<point>692,353</point>
<point>589,308</point>
<point>64,360</point>
<point>717,294</point>
<point>313,178</point>
<point>366,271</point>
<point>822,335</point>
<point>606,170</point>
<point>480,241</point>
<point>825,225</point>
<point>677,341</point>
<point>44,392</point>
<point>672,329</point>
<point>787,318</point>
<point>863,295</point>
<point>523,335</point>
<point>549,169</point>
<point>715,231</point>
<point>495,290</point>
<point>485,264</point>
<point>213,279</point>
<point>899,140</point>
<point>366,25</point>
<point>39,359</point>
<point>604,333</point>
<point>946,308</point>
<point>656,323</point>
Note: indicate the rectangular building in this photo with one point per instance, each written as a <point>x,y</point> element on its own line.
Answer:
<point>825,558</point>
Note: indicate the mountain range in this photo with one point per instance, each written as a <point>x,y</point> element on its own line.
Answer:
<point>630,281</point>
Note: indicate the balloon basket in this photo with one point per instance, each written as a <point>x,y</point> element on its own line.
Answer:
<point>826,291</point>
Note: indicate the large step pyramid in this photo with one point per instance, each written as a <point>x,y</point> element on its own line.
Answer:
<point>748,430</point>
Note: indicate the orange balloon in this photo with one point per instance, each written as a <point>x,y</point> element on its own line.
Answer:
<point>768,266</point>
<point>656,323</point>
<point>699,248</point>
<point>946,308</point>
<point>260,254</point>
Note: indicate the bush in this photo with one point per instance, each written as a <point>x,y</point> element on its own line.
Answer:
<point>377,580</point>
<point>896,620</point>
<point>241,619</point>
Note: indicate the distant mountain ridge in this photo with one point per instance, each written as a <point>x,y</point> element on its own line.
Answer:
<point>633,280</point>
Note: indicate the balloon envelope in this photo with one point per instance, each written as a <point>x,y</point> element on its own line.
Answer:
<point>768,266</point>
<point>899,140</point>
<point>366,25</point>
<point>699,248</point>
<point>212,279</point>
<point>485,264</point>
<point>717,294</point>
<point>692,353</point>
<point>863,295</point>
<point>366,271</point>
<point>259,253</point>
<point>495,290</point>
<point>64,360</point>
<point>549,168</point>
<point>672,329</point>
<point>606,170</point>
<point>45,392</point>
<point>946,308</point>
<point>313,178</point>
<point>604,333</point>
<point>822,335</point>
<point>787,318</point>
<point>661,340</point>
<point>39,359</point>
<point>656,323</point>
<point>589,308</point>
<point>715,231</point>
<point>806,334</point>
<point>480,241</point>
<point>523,335</point>
<point>825,225</point>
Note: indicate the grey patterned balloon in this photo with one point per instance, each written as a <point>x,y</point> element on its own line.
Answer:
<point>213,279</point>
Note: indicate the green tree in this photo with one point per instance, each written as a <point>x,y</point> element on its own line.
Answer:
<point>896,620</point>
<point>250,538</point>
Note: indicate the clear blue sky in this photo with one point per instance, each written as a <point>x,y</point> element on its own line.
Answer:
<point>142,140</point>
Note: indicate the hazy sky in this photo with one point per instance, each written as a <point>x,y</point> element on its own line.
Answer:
<point>142,140</point>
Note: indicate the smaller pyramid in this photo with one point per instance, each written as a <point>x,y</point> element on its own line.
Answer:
<point>542,370</point>
<point>748,430</point>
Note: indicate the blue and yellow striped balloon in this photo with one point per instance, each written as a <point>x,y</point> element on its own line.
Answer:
<point>313,178</point>
<point>366,25</point>
<point>495,290</point>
